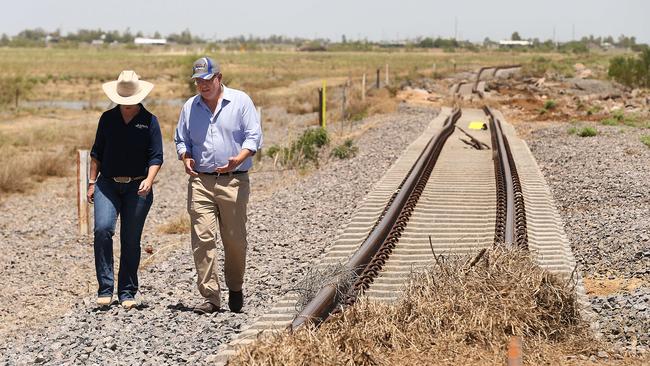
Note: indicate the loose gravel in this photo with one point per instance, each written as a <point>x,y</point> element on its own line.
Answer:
<point>288,229</point>
<point>601,187</point>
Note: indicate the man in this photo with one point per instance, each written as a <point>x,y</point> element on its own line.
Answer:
<point>218,132</point>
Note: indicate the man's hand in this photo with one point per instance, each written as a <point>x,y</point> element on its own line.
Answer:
<point>189,167</point>
<point>233,162</point>
<point>145,188</point>
<point>90,196</point>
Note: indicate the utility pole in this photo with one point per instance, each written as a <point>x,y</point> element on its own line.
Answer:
<point>456,28</point>
<point>573,32</point>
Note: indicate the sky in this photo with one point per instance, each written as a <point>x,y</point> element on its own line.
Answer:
<point>374,20</point>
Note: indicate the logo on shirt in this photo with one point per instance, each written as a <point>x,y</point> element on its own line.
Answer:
<point>141,126</point>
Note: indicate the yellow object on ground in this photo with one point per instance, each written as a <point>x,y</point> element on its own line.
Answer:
<point>477,125</point>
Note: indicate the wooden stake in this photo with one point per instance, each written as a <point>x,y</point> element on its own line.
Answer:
<point>514,351</point>
<point>324,105</point>
<point>363,88</point>
<point>83,208</point>
<point>343,117</point>
<point>377,78</point>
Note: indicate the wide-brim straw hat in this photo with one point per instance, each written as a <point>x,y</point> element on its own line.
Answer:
<point>128,89</point>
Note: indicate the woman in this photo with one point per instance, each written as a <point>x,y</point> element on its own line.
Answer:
<point>127,155</point>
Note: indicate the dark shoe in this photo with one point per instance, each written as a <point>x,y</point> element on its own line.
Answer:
<point>235,301</point>
<point>206,308</point>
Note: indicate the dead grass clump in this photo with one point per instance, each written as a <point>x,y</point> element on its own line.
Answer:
<point>452,313</point>
<point>180,225</point>
<point>52,164</point>
<point>317,278</point>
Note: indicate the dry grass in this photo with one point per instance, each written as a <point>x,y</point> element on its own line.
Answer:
<point>180,225</point>
<point>453,313</point>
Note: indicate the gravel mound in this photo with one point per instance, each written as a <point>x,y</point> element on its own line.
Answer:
<point>287,230</point>
<point>601,187</point>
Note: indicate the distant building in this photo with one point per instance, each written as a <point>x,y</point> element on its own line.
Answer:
<point>151,41</point>
<point>511,43</point>
<point>97,42</point>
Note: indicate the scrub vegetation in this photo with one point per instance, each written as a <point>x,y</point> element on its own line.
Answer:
<point>459,310</point>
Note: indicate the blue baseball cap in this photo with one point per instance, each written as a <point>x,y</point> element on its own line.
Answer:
<point>205,68</point>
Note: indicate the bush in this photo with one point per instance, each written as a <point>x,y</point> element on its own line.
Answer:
<point>345,151</point>
<point>302,151</point>
<point>12,87</point>
<point>572,131</point>
<point>588,132</point>
<point>550,104</point>
<point>632,72</point>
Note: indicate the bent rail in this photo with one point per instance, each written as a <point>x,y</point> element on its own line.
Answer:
<point>387,230</point>
<point>510,227</point>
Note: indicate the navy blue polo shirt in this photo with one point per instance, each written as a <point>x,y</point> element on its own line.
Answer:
<point>127,150</point>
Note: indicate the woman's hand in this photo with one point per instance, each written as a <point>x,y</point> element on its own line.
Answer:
<point>90,196</point>
<point>145,187</point>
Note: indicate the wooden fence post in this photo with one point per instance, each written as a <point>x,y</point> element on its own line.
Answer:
<point>323,120</point>
<point>363,88</point>
<point>83,208</point>
<point>377,78</point>
<point>343,115</point>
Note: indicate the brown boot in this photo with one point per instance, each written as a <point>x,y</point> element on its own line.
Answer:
<point>206,308</point>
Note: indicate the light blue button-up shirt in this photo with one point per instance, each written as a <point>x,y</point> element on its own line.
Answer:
<point>213,138</point>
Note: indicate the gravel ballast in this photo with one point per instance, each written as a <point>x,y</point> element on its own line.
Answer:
<point>288,229</point>
<point>601,185</point>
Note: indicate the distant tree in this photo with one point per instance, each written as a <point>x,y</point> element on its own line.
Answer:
<point>112,36</point>
<point>515,36</point>
<point>184,38</point>
<point>126,37</point>
<point>157,35</point>
<point>37,34</point>
<point>4,40</point>
<point>343,39</point>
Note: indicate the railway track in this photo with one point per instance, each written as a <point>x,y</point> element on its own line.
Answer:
<point>468,201</point>
<point>465,89</point>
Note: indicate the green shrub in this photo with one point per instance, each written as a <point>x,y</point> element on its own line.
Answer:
<point>572,131</point>
<point>550,104</point>
<point>588,132</point>
<point>301,151</point>
<point>273,150</point>
<point>19,87</point>
<point>632,72</point>
<point>618,117</point>
<point>345,150</point>
<point>646,140</point>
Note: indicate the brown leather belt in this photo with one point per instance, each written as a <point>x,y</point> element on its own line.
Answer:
<point>125,180</point>
<point>226,174</point>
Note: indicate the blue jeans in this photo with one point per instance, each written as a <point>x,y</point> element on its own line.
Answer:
<point>113,199</point>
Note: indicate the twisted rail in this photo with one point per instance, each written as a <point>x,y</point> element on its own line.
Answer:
<point>371,255</point>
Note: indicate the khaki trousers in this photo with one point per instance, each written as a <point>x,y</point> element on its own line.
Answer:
<point>221,200</point>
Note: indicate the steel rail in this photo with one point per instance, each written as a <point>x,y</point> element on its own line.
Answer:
<point>388,228</point>
<point>496,69</point>
<point>510,226</point>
